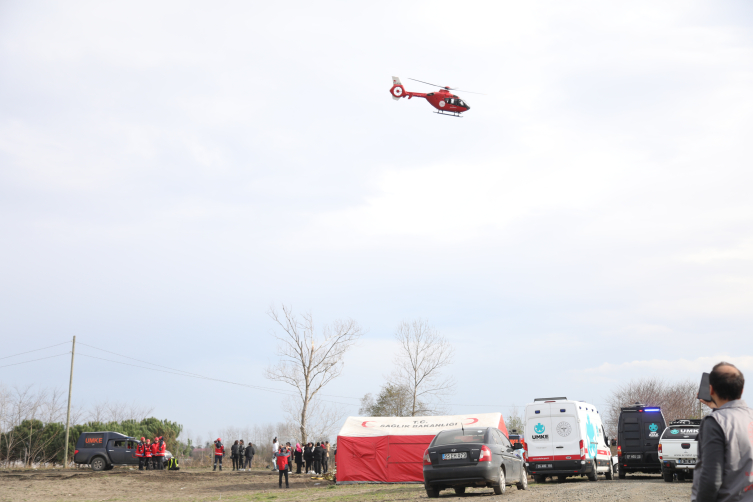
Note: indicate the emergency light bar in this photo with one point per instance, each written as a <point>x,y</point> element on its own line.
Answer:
<point>651,409</point>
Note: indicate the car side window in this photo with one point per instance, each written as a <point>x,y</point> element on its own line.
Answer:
<point>495,437</point>
<point>117,443</point>
<point>505,442</point>
<point>132,445</point>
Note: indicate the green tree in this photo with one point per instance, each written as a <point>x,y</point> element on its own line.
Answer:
<point>34,442</point>
<point>514,421</point>
<point>393,401</point>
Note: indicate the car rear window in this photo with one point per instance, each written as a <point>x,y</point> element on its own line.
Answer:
<point>454,437</point>
<point>681,432</point>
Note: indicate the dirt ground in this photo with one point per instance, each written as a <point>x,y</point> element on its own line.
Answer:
<point>261,486</point>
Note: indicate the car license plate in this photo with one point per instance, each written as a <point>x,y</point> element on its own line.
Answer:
<point>633,457</point>
<point>686,461</point>
<point>543,466</point>
<point>453,456</point>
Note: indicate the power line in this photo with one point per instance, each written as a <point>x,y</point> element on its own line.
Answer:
<point>201,377</point>
<point>32,360</point>
<point>196,375</point>
<point>139,360</point>
<point>29,351</point>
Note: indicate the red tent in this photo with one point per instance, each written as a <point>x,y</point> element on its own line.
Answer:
<point>391,449</point>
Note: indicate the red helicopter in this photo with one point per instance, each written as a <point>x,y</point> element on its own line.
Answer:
<point>443,100</point>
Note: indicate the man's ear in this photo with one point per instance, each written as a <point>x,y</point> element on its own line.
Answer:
<point>711,390</point>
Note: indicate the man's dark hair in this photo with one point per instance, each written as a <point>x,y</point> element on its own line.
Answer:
<point>727,384</point>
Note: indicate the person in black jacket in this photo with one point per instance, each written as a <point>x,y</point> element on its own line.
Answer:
<point>308,457</point>
<point>234,454</point>
<point>249,455</point>
<point>241,456</point>
<point>318,454</point>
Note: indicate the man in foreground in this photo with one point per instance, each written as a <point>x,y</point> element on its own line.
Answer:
<point>724,471</point>
<point>281,459</point>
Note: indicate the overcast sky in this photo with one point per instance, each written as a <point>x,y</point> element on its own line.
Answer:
<point>169,170</point>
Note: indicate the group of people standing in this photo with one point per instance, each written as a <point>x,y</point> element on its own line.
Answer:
<point>314,457</point>
<point>151,455</point>
<point>241,455</point>
<point>311,458</point>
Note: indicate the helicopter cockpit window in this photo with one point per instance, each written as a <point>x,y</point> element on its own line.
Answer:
<point>456,102</point>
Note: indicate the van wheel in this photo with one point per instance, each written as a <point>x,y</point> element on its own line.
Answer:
<point>593,475</point>
<point>523,483</point>
<point>98,464</point>
<point>609,475</point>
<point>499,488</point>
<point>620,473</point>
<point>539,478</point>
<point>459,490</point>
<point>668,475</point>
<point>432,493</point>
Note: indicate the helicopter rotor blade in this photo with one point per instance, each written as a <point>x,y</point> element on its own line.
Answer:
<point>427,83</point>
<point>447,87</point>
<point>470,92</point>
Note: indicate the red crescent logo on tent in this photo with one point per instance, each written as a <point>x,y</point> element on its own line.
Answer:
<point>366,422</point>
<point>474,420</point>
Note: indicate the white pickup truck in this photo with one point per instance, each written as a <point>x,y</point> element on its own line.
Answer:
<point>678,449</point>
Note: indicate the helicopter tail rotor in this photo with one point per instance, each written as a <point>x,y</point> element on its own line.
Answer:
<point>397,90</point>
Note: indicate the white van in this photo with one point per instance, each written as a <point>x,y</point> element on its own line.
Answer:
<point>566,438</point>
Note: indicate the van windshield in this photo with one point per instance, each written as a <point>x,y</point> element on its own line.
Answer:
<point>458,436</point>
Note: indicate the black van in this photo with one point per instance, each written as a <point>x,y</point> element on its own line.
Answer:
<point>639,430</point>
<point>103,450</point>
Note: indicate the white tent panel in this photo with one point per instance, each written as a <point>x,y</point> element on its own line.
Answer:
<point>413,426</point>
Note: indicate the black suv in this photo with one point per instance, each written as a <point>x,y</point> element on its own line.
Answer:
<point>639,430</point>
<point>103,450</point>
<point>460,458</point>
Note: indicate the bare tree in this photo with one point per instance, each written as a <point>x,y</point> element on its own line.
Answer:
<point>309,361</point>
<point>422,355</point>
<point>323,417</point>
<point>98,412</point>
<point>25,416</point>
<point>676,400</point>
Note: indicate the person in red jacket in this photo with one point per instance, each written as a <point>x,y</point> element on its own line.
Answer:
<point>219,452</point>
<point>140,454</point>
<point>148,454</point>
<point>156,459</point>
<point>281,458</point>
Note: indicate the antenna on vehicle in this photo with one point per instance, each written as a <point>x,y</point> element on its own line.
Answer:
<point>462,428</point>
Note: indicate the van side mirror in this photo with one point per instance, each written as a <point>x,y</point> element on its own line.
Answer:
<point>517,446</point>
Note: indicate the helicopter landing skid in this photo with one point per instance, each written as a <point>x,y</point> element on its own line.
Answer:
<point>449,114</point>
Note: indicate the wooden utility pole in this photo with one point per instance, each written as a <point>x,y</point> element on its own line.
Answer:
<point>68,416</point>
